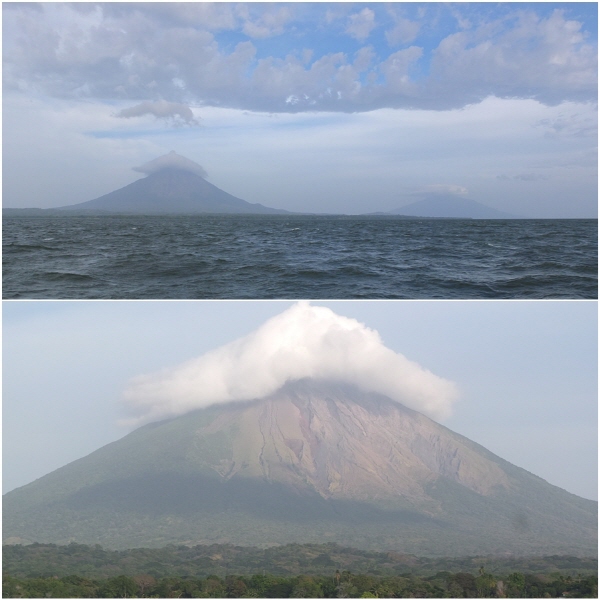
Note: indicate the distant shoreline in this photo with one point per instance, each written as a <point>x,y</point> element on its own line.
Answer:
<point>57,212</point>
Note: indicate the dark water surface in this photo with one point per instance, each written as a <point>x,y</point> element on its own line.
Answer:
<point>291,257</point>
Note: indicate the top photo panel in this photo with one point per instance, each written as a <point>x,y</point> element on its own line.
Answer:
<point>300,150</point>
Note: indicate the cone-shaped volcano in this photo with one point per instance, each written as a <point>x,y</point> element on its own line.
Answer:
<point>314,462</point>
<point>450,206</point>
<point>174,185</point>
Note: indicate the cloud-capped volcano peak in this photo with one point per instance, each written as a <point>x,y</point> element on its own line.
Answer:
<point>172,160</point>
<point>302,342</point>
<point>175,185</point>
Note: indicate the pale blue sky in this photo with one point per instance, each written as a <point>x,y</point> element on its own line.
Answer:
<point>527,371</point>
<point>309,107</point>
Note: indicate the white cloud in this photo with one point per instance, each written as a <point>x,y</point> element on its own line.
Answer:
<point>303,341</point>
<point>403,32</point>
<point>529,177</point>
<point>570,125</point>
<point>523,177</point>
<point>173,161</point>
<point>396,70</point>
<point>442,189</point>
<point>140,52</point>
<point>361,24</point>
<point>213,16</point>
<point>174,113</point>
<point>269,22</point>
<point>546,58</point>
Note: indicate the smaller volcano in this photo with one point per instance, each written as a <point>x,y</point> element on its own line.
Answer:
<point>174,185</point>
<point>450,206</point>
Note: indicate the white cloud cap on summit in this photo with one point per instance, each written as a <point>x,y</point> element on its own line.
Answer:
<point>172,160</point>
<point>303,341</point>
<point>439,189</point>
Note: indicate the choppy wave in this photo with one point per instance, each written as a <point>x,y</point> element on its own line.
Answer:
<point>297,257</point>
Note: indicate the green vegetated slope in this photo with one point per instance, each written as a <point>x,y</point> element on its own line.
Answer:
<point>315,462</point>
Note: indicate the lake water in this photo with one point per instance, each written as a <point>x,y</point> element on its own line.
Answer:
<point>303,256</point>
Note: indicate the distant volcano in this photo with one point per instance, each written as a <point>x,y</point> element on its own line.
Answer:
<point>315,461</point>
<point>174,185</point>
<point>450,206</point>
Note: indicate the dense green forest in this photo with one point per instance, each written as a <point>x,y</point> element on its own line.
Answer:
<point>294,571</point>
<point>340,585</point>
<point>50,560</point>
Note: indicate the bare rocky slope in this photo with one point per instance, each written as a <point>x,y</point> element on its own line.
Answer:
<point>315,462</point>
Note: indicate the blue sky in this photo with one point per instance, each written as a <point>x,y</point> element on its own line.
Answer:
<point>526,372</point>
<point>320,107</point>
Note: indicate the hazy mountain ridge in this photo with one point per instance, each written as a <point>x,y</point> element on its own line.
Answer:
<point>171,191</point>
<point>450,206</point>
<point>315,461</point>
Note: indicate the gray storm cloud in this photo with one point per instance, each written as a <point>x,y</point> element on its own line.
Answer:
<point>173,161</point>
<point>303,341</point>
<point>176,114</point>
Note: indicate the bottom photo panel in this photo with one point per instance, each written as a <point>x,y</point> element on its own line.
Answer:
<point>300,449</point>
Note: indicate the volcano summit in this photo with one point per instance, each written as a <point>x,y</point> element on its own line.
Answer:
<point>308,429</point>
<point>174,185</point>
<point>315,461</point>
